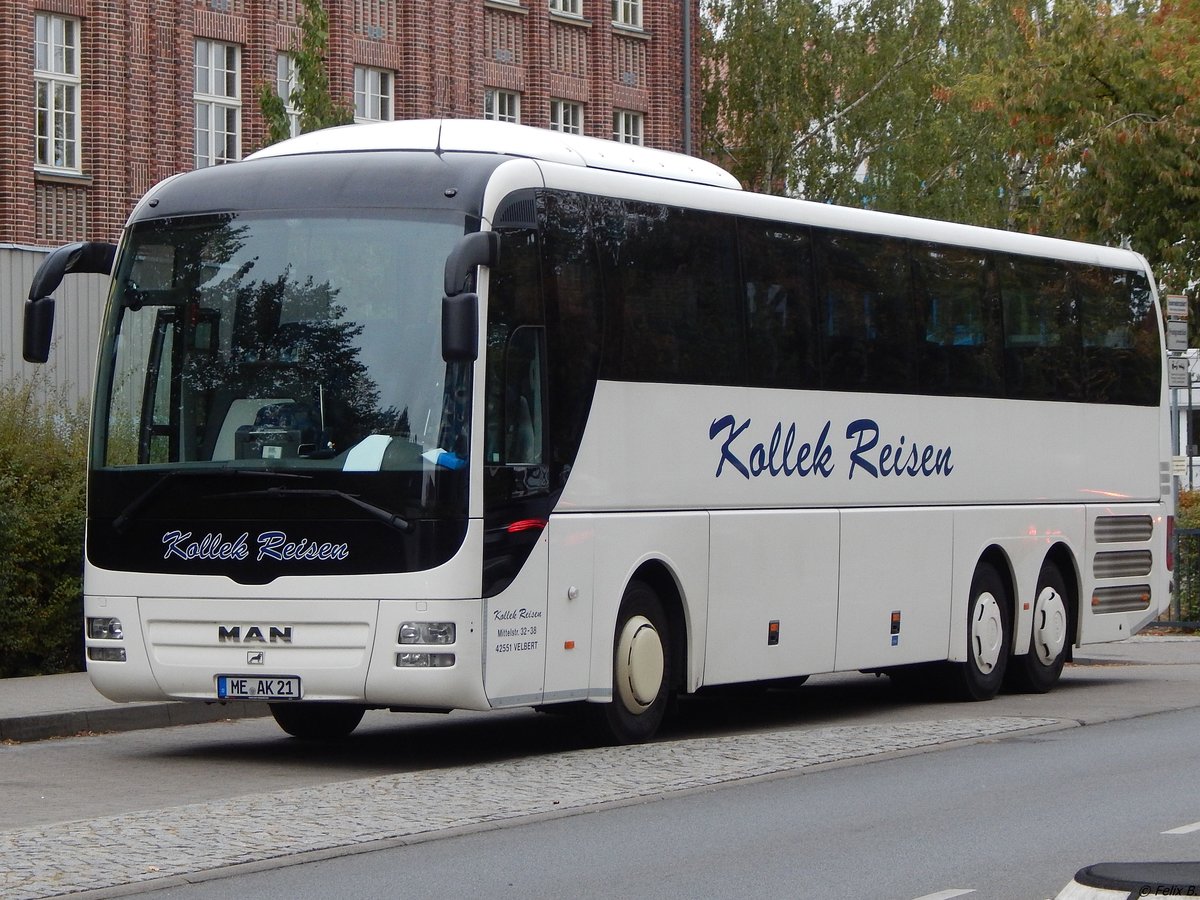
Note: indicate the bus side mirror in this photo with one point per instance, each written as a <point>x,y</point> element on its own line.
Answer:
<point>460,309</point>
<point>460,328</point>
<point>90,257</point>
<point>39,329</point>
<point>480,248</point>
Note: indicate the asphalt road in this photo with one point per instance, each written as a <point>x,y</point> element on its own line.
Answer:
<point>1010,818</point>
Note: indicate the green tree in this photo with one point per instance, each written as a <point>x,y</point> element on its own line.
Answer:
<point>1104,105</point>
<point>311,94</point>
<point>856,102</point>
<point>1073,118</point>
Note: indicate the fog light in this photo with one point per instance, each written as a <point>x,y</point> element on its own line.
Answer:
<point>427,633</point>
<point>424,660</point>
<point>106,654</point>
<point>105,629</point>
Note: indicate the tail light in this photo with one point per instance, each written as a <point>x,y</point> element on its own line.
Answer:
<point>1170,543</point>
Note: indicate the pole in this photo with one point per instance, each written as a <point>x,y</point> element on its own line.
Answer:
<point>687,76</point>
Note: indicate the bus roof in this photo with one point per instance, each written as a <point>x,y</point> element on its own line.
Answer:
<point>480,136</point>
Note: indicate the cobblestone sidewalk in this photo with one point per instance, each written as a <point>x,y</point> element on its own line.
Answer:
<point>144,847</point>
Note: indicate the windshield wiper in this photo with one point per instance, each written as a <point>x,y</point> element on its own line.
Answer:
<point>279,493</point>
<point>131,510</point>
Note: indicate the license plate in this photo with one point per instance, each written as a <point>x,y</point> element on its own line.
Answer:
<point>258,687</point>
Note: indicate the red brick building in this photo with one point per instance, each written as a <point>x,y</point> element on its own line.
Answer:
<point>99,99</point>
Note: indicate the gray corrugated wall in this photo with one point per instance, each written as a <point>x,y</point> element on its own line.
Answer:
<point>77,318</point>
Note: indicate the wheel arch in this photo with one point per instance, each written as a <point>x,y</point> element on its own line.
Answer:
<point>659,576</point>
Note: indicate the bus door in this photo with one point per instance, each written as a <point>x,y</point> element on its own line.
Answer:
<point>170,426</point>
<point>516,488</point>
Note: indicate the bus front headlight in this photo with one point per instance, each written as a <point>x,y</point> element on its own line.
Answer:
<point>105,628</point>
<point>427,633</point>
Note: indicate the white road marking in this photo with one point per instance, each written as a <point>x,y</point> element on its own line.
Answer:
<point>948,894</point>
<point>1184,829</point>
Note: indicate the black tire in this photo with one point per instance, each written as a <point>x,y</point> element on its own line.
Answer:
<point>989,637</point>
<point>317,721</point>
<point>641,670</point>
<point>1038,670</point>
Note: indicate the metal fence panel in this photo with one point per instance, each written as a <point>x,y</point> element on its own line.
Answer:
<point>78,315</point>
<point>1185,604</point>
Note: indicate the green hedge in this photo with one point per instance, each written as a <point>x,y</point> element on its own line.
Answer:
<point>42,488</point>
<point>1185,605</point>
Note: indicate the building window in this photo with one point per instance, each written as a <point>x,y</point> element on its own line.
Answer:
<point>286,81</point>
<point>627,126</point>
<point>570,7</point>
<point>56,80</point>
<point>501,106</point>
<point>627,12</point>
<point>372,95</point>
<point>218,103</point>
<point>566,116</point>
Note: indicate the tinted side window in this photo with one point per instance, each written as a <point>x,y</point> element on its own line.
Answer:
<point>960,338</point>
<point>670,281</point>
<point>1120,337</point>
<point>1041,330</point>
<point>574,322</point>
<point>777,298</point>
<point>867,323</point>
<point>514,433</point>
<point>516,482</point>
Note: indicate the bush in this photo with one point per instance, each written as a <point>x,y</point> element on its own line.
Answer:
<point>1187,510</point>
<point>42,490</point>
<point>1185,605</point>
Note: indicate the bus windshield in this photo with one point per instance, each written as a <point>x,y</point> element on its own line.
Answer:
<point>282,342</point>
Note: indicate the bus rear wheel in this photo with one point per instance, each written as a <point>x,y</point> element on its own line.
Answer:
<point>317,721</point>
<point>1037,671</point>
<point>988,637</point>
<point>641,670</point>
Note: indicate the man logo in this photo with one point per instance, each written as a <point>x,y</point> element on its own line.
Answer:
<point>256,658</point>
<point>276,634</point>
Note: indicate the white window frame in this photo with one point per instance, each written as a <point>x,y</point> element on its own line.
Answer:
<point>629,126</point>
<point>286,80</point>
<point>627,13</point>
<point>374,94</point>
<point>218,97</point>
<point>501,106</point>
<point>567,7</point>
<point>566,116</point>
<point>57,129</point>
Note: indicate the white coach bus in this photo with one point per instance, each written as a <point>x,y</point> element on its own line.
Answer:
<point>456,414</point>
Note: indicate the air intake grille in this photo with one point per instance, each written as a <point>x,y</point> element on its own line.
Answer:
<point>1124,529</point>
<point>1123,564</point>
<point>519,212</point>
<point>1126,598</point>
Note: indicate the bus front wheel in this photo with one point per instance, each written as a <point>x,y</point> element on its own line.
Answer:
<point>641,669</point>
<point>317,721</point>
<point>988,637</point>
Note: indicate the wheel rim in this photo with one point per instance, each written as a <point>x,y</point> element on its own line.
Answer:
<point>1049,625</point>
<point>640,664</point>
<point>987,632</point>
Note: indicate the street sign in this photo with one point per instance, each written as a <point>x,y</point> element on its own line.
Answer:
<point>1177,306</point>
<point>1177,371</point>
<point>1177,335</point>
